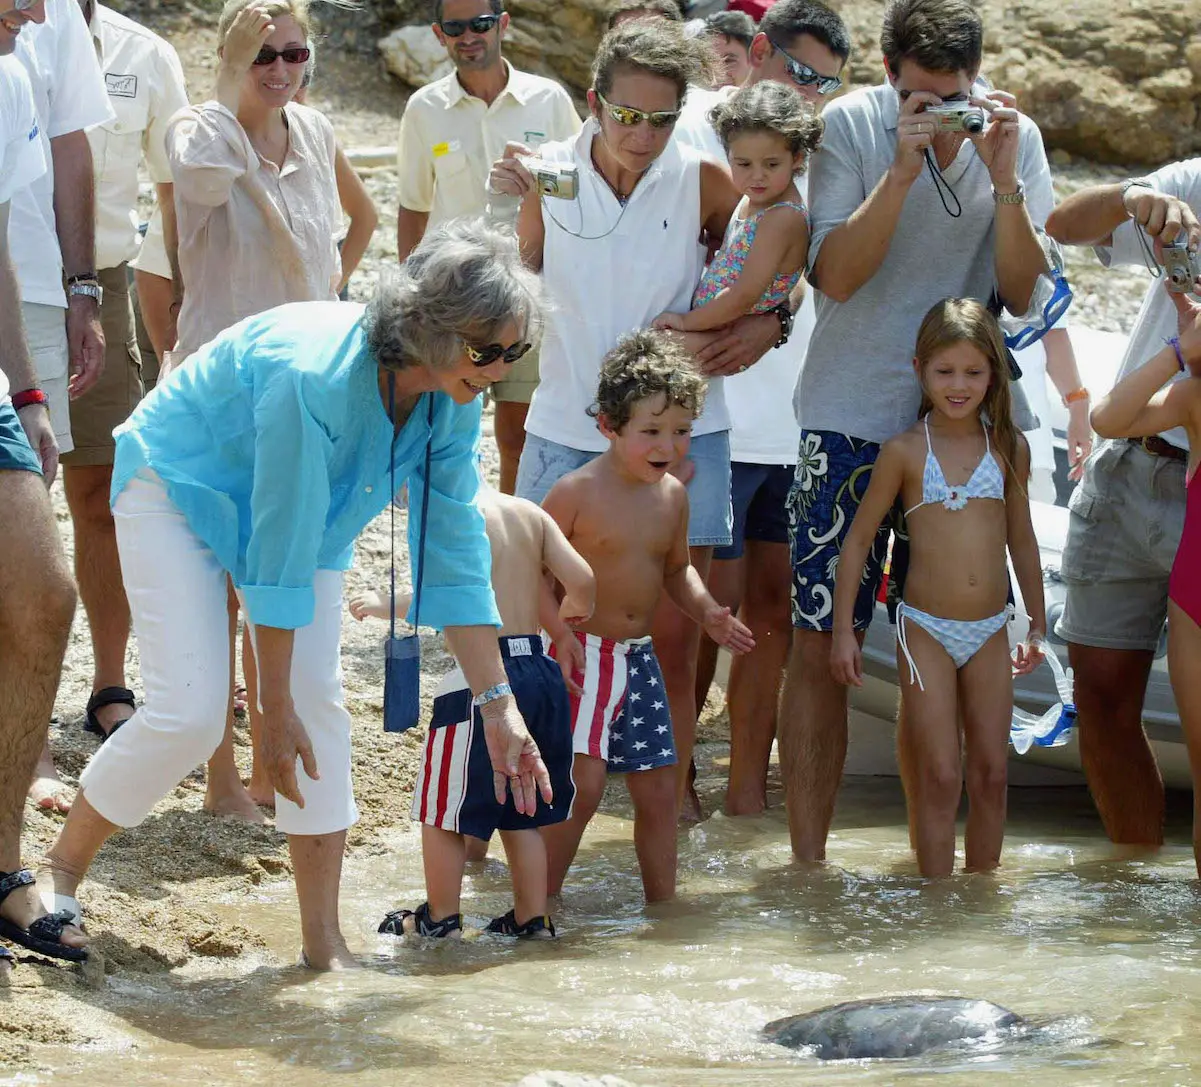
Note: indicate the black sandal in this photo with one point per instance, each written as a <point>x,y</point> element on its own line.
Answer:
<point>536,928</point>
<point>423,923</point>
<point>44,936</point>
<point>107,696</point>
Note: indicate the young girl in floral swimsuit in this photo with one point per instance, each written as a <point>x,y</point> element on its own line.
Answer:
<point>768,131</point>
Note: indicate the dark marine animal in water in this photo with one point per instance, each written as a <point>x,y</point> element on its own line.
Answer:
<point>899,1026</point>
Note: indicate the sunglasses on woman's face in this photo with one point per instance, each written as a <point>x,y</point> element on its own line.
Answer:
<point>456,28</point>
<point>298,54</point>
<point>804,76</point>
<point>628,116</point>
<point>486,356</point>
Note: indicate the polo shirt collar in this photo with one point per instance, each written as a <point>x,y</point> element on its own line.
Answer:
<point>96,28</point>
<point>517,86</point>
<point>890,106</point>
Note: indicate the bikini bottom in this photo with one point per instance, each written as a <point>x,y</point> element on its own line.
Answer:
<point>961,638</point>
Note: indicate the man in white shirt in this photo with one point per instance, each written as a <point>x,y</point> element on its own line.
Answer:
<point>145,85</point>
<point>51,235</point>
<point>450,134</point>
<point>1127,515</point>
<point>37,597</point>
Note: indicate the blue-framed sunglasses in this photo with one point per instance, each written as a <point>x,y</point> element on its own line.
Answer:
<point>804,76</point>
<point>456,28</point>
<point>1052,310</point>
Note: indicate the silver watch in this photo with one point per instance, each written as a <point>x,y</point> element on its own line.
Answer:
<point>87,290</point>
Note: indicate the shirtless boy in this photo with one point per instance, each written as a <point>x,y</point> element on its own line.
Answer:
<point>455,795</point>
<point>628,517</point>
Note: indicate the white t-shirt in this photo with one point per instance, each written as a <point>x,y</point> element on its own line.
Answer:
<point>69,93</point>
<point>1156,320</point>
<point>21,158</point>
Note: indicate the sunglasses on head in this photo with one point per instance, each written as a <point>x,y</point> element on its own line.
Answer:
<point>297,54</point>
<point>487,355</point>
<point>804,76</point>
<point>456,28</point>
<point>628,116</point>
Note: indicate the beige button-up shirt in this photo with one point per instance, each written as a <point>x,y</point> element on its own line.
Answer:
<point>449,139</point>
<point>251,236</point>
<point>145,85</point>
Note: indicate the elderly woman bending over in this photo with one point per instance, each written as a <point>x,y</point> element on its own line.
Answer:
<point>261,461</point>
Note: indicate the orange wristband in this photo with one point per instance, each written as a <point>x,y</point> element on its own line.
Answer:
<point>1076,394</point>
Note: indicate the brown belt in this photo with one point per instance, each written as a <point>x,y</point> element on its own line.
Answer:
<point>1157,447</point>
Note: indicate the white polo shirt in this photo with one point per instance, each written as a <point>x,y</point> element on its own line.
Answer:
<point>21,158</point>
<point>145,85</point>
<point>449,139</point>
<point>69,94</point>
<point>599,288</point>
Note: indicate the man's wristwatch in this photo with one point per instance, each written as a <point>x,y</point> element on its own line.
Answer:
<point>1018,197</point>
<point>785,315</point>
<point>492,694</point>
<point>87,288</point>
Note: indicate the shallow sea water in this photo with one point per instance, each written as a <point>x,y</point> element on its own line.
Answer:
<point>1106,949</point>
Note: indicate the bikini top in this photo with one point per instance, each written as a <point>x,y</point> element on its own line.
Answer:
<point>987,481</point>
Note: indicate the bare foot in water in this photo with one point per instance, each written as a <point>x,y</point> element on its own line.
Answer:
<point>334,955</point>
<point>48,791</point>
<point>237,802</point>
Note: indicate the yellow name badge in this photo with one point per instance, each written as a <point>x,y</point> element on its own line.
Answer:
<point>441,149</point>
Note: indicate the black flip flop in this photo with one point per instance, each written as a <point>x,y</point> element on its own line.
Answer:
<point>44,936</point>
<point>107,696</point>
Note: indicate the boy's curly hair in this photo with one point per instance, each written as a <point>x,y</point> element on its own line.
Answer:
<point>645,364</point>
<point>768,106</point>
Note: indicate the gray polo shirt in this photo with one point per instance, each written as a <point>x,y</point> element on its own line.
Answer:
<point>1156,320</point>
<point>858,377</point>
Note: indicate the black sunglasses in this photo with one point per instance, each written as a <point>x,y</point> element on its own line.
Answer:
<point>298,54</point>
<point>804,76</point>
<point>456,28</point>
<point>486,356</point>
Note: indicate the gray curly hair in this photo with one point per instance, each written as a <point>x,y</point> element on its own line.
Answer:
<point>461,285</point>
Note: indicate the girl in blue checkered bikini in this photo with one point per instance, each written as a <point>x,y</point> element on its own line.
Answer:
<point>959,473</point>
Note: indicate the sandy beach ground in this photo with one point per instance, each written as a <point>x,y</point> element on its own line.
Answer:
<point>148,899</point>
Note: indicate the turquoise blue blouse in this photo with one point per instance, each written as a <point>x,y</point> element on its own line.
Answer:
<point>273,443</point>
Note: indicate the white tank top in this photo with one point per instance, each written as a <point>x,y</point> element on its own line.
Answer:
<point>597,289</point>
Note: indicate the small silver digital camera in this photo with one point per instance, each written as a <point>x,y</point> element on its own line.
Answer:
<point>554,179</point>
<point>957,117</point>
<point>1181,268</point>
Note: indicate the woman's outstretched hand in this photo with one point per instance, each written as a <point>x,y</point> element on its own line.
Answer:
<point>285,740</point>
<point>517,764</point>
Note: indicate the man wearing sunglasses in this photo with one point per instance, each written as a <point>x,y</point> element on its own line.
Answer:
<point>451,132</point>
<point>37,597</point>
<point>946,214</point>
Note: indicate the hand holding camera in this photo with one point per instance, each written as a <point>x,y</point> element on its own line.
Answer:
<point>520,170</point>
<point>997,142</point>
<point>915,133</point>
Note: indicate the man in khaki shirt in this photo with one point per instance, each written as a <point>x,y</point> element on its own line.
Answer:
<point>450,134</point>
<point>145,85</point>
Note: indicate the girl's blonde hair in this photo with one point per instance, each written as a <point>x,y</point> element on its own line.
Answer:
<point>298,9</point>
<point>964,320</point>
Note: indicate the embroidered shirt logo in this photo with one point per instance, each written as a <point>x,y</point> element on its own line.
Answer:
<point>121,86</point>
<point>34,132</point>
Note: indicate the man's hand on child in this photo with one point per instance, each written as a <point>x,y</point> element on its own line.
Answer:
<point>375,604</point>
<point>846,660</point>
<point>574,610</point>
<point>727,631</point>
<point>1029,655</point>
<point>670,322</point>
<point>570,657</point>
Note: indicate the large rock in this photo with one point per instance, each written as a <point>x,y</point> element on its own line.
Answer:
<point>1118,81</point>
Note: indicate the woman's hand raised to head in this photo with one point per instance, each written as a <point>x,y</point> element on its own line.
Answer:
<point>516,762</point>
<point>251,27</point>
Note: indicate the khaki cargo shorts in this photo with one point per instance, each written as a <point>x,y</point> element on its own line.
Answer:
<point>1126,519</point>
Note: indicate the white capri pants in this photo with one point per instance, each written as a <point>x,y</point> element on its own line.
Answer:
<point>177,596</point>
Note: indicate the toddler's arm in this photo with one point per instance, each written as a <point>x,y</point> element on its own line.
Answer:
<point>779,229</point>
<point>1139,404</point>
<point>846,658</point>
<point>571,571</point>
<point>375,603</point>
<point>1027,563</point>
<point>684,585</point>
